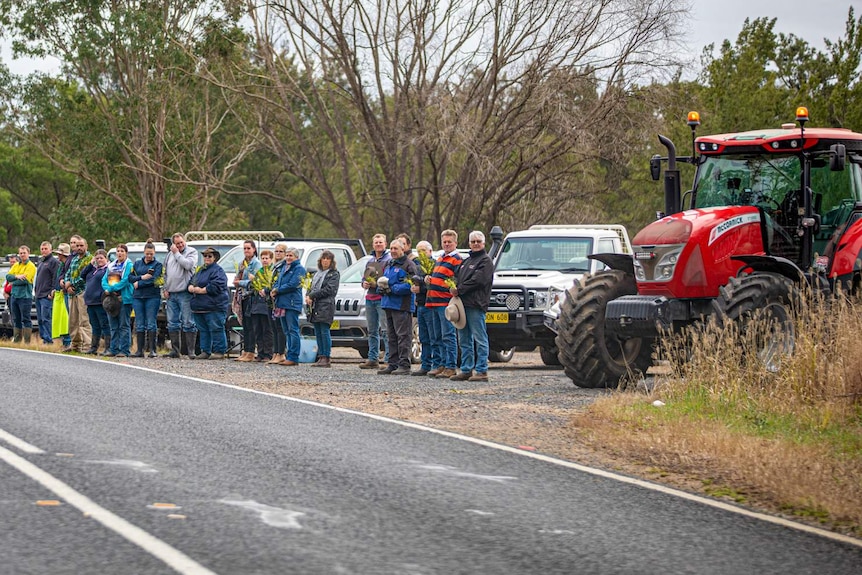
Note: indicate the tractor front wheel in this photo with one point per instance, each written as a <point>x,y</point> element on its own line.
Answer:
<point>763,305</point>
<point>590,357</point>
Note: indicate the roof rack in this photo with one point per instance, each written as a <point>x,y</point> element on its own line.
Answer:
<point>619,229</point>
<point>357,243</point>
<point>258,235</point>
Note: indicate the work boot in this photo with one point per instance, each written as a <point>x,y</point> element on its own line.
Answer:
<point>28,333</point>
<point>152,341</point>
<point>246,356</point>
<point>462,376</point>
<point>436,371</point>
<point>401,371</point>
<point>446,373</point>
<point>323,361</point>
<point>201,355</point>
<point>174,336</point>
<point>16,335</point>
<point>369,364</point>
<point>94,346</point>
<point>107,346</point>
<point>190,337</point>
<point>276,358</point>
<point>479,377</point>
<point>139,336</point>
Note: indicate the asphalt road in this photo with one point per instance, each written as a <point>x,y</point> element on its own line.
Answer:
<point>263,484</point>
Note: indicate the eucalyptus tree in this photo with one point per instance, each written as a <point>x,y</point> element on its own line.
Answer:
<point>148,141</point>
<point>423,114</point>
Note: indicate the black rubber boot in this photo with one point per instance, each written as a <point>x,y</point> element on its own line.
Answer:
<point>190,338</point>
<point>152,341</point>
<point>139,336</point>
<point>174,336</point>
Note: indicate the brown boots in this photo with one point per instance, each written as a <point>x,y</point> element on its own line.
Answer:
<point>322,361</point>
<point>246,356</point>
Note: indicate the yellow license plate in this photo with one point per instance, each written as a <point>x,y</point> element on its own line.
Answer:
<point>335,325</point>
<point>496,317</point>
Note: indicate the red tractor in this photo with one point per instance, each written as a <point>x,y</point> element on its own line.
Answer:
<point>770,211</point>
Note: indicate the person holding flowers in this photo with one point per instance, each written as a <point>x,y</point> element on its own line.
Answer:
<point>260,307</point>
<point>117,280</point>
<point>425,266</point>
<point>278,340</point>
<point>373,299</point>
<point>321,300</point>
<point>442,332</point>
<point>398,304</point>
<point>93,273</point>
<point>287,294</point>
<point>242,283</point>
<point>146,279</point>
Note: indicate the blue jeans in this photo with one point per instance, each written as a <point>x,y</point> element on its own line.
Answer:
<point>21,307</point>
<point>121,330</point>
<point>179,310</point>
<point>447,341</point>
<point>44,313</point>
<point>98,323</point>
<point>146,310</point>
<point>376,330</point>
<point>290,325</point>
<point>324,339</point>
<point>210,326</point>
<point>474,333</point>
<point>423,319</point>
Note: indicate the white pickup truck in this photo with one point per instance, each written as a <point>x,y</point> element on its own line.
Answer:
<point>533,268</point>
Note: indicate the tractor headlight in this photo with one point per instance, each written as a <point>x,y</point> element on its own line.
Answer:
<point>666,265</point>
<point>640,272</point>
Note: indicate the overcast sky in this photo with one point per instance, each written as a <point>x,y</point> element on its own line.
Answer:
<point>711,21</point>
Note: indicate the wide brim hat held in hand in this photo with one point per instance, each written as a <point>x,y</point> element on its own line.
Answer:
<point>455,313</point>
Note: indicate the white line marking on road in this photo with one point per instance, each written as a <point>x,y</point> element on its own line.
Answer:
<point>174,558</point>
<point>19,444</point>
<point>514,450</point>
<point>449,470</point>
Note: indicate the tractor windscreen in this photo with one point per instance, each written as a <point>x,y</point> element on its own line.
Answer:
<point>768,182</point>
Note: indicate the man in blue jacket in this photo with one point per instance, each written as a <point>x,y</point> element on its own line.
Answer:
<point>398,304</point>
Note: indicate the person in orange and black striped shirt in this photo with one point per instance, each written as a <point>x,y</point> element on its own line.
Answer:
<point>443,337</point>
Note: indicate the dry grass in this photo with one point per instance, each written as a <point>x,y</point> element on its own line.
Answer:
<point>790,437</point>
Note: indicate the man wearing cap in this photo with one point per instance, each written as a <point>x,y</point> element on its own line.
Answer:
<point>74,285</point>
<point>46,272</point>
<point>473,281</point>
<point>179,266</point>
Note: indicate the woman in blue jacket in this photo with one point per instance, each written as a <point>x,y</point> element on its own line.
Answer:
<point>117,280</point>
<point>210,302</point>
<point>146,299</point>
<point>288,297</point>
<point>93,273</point>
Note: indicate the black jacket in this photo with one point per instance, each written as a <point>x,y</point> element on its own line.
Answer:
<point>323,309</point>
<point>46,274</point>
<point>474,279</point>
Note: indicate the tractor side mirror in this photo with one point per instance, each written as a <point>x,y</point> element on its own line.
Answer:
<point>655,168</point>
<point>837,157</point>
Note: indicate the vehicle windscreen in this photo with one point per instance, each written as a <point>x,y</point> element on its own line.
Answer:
<point>765,181</point>
<point>557,254</point>
<point>353,274</point>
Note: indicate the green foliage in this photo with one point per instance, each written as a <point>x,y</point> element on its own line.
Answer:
<point>11,225</point>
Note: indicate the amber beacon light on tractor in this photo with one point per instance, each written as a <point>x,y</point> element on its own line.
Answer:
<point>769,211</point>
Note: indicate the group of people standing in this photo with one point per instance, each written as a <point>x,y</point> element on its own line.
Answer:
<point>396,283</point>
<point>96,297</point>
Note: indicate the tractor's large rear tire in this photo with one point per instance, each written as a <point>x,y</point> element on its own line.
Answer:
<point>769,298</point>
<point>589,356</point>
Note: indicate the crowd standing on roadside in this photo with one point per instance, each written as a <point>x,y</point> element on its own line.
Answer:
<point>95,298</point>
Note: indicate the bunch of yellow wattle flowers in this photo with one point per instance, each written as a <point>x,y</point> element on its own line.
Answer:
<point>426,264</point>
<point>263,279</point>
<point>450,283</point>
<point>305,281</point>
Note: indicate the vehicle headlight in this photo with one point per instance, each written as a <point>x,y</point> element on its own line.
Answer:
<point>555,295</point>
<point>666,265</point>
<point>542,299</point>
<point>640,272</point>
